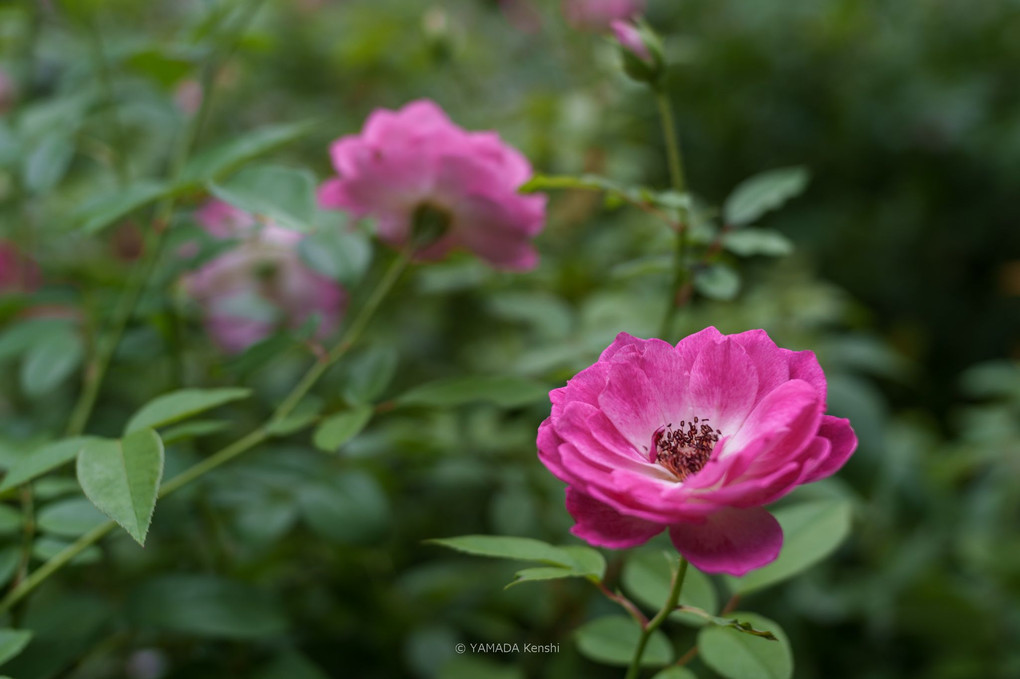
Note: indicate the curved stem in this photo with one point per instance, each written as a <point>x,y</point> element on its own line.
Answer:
<point>660,617</point>
<point>243,444</point>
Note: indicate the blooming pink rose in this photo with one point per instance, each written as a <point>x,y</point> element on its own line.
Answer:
<point>260,286</point>
<point>629,36</point>
<point>694,439</point>
<point>17,274</point>
<point>415,161</point>
<point>598,15</point>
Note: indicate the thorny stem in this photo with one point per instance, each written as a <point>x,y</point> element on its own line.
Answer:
<point>243,444</point>
<point>660,617</point>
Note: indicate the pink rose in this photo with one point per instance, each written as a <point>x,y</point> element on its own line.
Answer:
<point>260,286</point>
<point>694,439</point>
<point>414,165</point>
<point>17,274</point>
<point>598,15</point>
<point>629,36</point>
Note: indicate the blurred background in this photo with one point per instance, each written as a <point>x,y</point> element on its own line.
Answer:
<point>904,278</point>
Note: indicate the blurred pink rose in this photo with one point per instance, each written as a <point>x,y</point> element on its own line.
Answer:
<point>260,286</point>
<point>598,15</point>
<point>692,439</point>
<point>414,164</point>
<point>17,274</point>
<point>629,36</point>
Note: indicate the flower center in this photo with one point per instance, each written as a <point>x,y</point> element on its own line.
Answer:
<point>686,449</point>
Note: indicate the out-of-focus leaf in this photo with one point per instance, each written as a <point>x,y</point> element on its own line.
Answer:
<point>611,640</point>
<point>220,160</point>
<point>122,478</point>
<point>10,520</point>
<point>69,518</point>
<point>181,404</point>
<point>12,642</point>
<point>472,667</point>
<point>717,281</point>
<point>736,655</point>
<point>747,242</point>
<point>50,361</point>
<point>763,192</point>
<point>115,205</point>
<point>348,509</point>
<point>338,253</point>
<point>205,606</point>
<point>675,673</point>
<point>44,459</point>
<point>48,162</point>
<point>282,194</point>
<point>192,430</point>
<point>10,557</point>
<point>45,548</point>
<point>369,373</point>
<point>338,429</point>
<point>291,665</point>
<point>504,391</point>
<point>18,338</point>
<point>811,531</point>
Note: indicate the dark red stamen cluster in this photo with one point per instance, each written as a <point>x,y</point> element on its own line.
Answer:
<point>686,449</point>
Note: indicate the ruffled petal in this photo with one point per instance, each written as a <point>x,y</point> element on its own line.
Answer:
<point>723,385</point>
<point>843,442</point>
<point>601,525</point>
<point>733,541</point>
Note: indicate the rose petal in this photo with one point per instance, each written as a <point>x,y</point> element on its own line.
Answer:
<point>733,541</point>
<point>601,525</point>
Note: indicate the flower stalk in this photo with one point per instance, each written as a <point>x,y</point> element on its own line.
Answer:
<point>646,632</point>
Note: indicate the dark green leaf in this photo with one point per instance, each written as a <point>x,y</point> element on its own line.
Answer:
<point>118,204</point>
<point>44,459</point>
<point>507,392</point>
<point>69,518</point>
<point>717,281</point>
<point>48,162</point>
<point>611,640</point>
<point>747,242</point>
<point>122,478</point>
<point>12,642</point>
<point>736,655</point>
<point>192,430</point>
<point>45,548</point>
<point>10,520</point>
<point>369,373</point>
<point>348,509</point>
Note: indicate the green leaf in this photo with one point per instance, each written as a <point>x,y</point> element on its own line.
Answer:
<point>348,509</point>
<point>290,665</point>
<point>69,518</point>
<point>587,563</point>
<point>338,429</point>
<point>611,640</point>
<point>282,194</point>
<point>647,576</point>
<point>206,606</point>
<point>192,430</point>
<point>122,478</point>
<point>337,253</point>
<point>369,373</point>
<point>811,531</point>
<point>45,548</point>
<point>748,242</point>
<point>12,642</point>
<point>44,459</point>
<point>20,337</point>
<point>10,557</point>
<point>506,392</point>
<point>180,405</point>
<point>50,362</point>
<point>115,205</point>
<point>507,547</point>
<point>218,161</point>
<point>48,162</point>
<point>742,656</point>
<point>717,281</point>
<point>644,266</point>
<point>763,192</point>
<point>730,623</point>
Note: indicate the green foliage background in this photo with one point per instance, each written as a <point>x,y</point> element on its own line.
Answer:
<point>294,563</point>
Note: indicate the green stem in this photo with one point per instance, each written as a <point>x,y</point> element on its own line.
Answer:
<point>676,173</point>
<point>247,442</point>
<point>660,617</point>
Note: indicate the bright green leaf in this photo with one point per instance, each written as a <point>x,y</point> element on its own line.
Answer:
<point>12,642</point>
<point>611,640</point>
<point>282,194</point>
<point>122,478</point>
<point>181,404</point>
<point>811,531</point>
<point>736,655</point>
<point>507,392</point>
<point>748,242</point>
<point>44,459</point>
<point>338,429</point>
<point>763,192</point>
